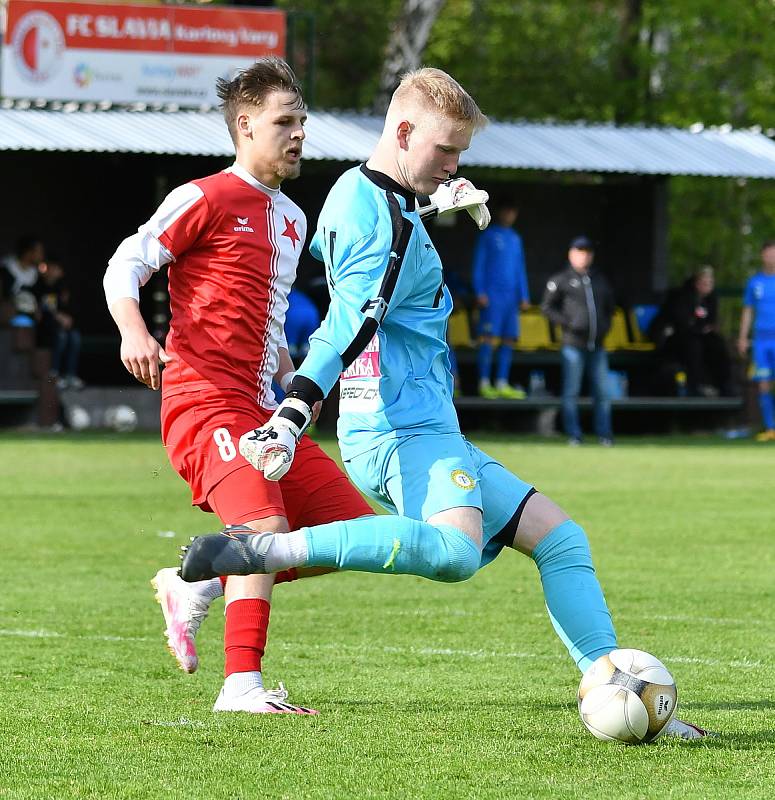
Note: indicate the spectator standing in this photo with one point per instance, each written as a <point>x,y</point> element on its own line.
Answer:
<point>581,302</point>
<point>759,314</point>
<point>500,285</point>
<point>57,329</point>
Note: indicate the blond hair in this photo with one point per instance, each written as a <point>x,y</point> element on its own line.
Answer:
<point>436,89</point>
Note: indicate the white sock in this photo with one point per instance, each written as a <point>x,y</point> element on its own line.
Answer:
<point>208,590</point>
<point>287,550</point>
<point>242,682</point>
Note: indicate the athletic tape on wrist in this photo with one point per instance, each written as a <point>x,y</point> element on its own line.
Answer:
<point>286,379</point>
<point>297,412</point>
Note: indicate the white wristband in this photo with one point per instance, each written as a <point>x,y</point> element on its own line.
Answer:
<point>286,379</point>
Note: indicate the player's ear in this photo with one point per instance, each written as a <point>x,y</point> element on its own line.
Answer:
<point>244,125</point>
<point>403,132</point>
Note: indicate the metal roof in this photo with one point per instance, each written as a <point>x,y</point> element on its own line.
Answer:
<point>343,136</point>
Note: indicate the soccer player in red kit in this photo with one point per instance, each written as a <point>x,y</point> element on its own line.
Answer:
<point>231,242</point>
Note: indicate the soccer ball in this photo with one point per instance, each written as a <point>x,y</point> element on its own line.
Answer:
<point>121,418</point>
<point>627,696</point>
<point>78,418</point>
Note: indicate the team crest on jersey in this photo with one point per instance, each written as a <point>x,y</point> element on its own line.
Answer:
<point>242,225</point>
<point>463,480</point>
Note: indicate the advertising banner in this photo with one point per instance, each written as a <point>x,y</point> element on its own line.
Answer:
<point>131,53</point>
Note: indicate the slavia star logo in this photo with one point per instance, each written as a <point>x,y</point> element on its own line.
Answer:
<point>290,231</point>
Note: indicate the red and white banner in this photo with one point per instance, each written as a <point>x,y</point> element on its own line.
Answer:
<point>131,53</point>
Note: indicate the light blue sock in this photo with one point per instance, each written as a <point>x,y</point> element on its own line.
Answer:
<point>767,407</point>
<point>392,544</point>
<point>573,596</point>
<point>484,361</point>
<point>503,366</point>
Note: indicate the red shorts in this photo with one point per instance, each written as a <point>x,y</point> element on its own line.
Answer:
<point>201,430</point>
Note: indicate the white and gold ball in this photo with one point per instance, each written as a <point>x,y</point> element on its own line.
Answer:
<point>627,696</point>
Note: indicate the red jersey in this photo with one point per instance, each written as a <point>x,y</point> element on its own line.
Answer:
<point>232,245</point>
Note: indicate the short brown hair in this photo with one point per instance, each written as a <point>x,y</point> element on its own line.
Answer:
<point>250,87</point>
<point>442,92</point>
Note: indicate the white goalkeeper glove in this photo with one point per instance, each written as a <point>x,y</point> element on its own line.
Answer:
<point>270,449</point>
<point>458,194</point>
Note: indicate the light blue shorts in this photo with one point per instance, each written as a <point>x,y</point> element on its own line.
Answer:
<point>419,476</point>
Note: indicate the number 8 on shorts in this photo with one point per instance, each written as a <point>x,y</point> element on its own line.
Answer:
<point>225,445</point>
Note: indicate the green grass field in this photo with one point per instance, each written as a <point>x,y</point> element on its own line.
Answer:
<point>425,690</point>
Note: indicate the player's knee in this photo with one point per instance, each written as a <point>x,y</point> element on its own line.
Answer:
<point>460,559</point>
<point>567,543</point>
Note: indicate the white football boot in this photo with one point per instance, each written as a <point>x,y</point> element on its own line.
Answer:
<point>184,610</point>
<point>260,701</point>
<point>685,730</point>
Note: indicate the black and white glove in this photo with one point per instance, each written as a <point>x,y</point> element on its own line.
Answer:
<point>458,194</point>
<point>270,449</point>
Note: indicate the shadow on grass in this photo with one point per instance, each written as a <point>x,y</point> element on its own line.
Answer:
<point>75,437</point>
<point>734,741</point>
<point>742,705</point>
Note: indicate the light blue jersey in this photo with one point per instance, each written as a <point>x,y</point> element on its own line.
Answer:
<point>385,330</point>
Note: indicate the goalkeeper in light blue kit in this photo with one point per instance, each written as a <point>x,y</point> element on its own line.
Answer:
<point>453,508</point>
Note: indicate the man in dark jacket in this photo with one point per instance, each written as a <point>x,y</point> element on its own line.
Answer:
<point>686,328</point>
<point>581,303</point>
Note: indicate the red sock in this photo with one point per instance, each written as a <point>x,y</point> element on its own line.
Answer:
<point>244,637</point>
<point>285,576</point>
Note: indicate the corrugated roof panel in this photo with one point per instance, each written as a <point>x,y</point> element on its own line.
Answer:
<point>631,150</point>
<point>341,137</point>
<point>346,136</point>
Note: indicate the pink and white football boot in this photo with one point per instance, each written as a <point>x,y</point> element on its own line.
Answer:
<point>184,610</point>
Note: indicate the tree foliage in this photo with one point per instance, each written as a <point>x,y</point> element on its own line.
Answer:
<point>653,62</point>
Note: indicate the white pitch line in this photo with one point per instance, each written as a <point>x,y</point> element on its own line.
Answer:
<point>743,663</point>
<point>41,634</point>
<point>704,620</point>
<point>505,654</point>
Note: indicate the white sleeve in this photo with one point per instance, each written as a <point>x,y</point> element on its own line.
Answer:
<point>142,254</point>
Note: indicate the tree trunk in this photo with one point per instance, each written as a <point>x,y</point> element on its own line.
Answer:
<point>406,45</point>
<point>626,67</point>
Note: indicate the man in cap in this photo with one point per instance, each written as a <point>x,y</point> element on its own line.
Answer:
<point>581,302</point>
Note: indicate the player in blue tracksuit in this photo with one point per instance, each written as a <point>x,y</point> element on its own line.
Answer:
<point>301,320</point>
<point>500,284</point>
<point>759,313</point>
<point>453,507</point>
